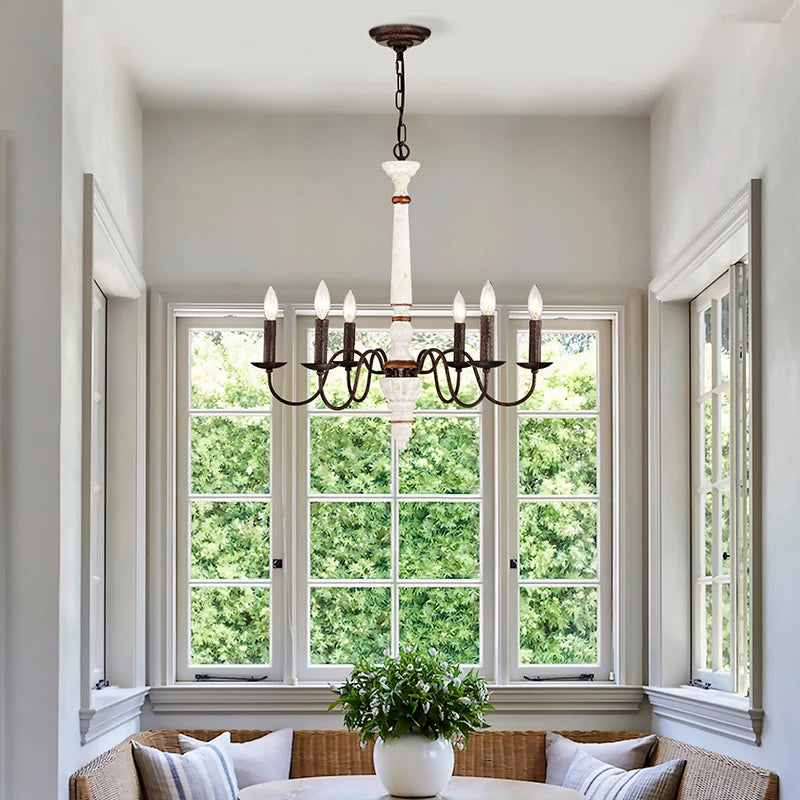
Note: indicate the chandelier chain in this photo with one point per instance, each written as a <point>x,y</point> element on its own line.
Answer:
<point>401,150</point>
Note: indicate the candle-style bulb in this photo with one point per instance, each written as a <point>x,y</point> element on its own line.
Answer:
<point>270,304</point>
<point>535,303</point>
<point>349,307</point>
<point>459,308</point>
<point>488,300</point>
<point>322,301</point>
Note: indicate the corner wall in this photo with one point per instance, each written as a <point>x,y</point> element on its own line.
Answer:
<point>733,116</point>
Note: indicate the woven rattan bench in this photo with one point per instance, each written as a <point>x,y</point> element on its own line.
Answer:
<point>519,755</point>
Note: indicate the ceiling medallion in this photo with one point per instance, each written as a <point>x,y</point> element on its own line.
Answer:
<point>399,372</point>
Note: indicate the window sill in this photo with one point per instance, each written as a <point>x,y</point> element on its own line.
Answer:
<point>709,710</point>
<point>111,707</point>
<point>564,698</point>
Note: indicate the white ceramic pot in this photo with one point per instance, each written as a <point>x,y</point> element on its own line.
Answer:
<point>413,766</point>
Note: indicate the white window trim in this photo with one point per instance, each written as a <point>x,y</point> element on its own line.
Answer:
<point>107,260</point>
<point>167,694</point>
<point>737,230</point>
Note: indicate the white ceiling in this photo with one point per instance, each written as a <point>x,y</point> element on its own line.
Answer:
<point>504,56</point>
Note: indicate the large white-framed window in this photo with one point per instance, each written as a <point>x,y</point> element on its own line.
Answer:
<point>229,595</point>
<point>380,549</point>
<point>394,549</point>
<point>720,468</point>
<point>561,493</point>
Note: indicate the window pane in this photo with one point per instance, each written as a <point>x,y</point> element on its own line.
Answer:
<point>336,381</point>
<point>725,529</point>
<point>350,455</point>
<point>439,540</point>
<point>230,455</point>
<point>726,627</point>
<point>558,456</point>
<point>708,448</point>
<point>709,625</point>
<point>348,623</point>
<point>444,617</point>
<point>350,540</point>
<point>442,457</point>
<point>558,625</point>
<point>570,384</point>
<point>230,625</point>
<point>230,540</point>
<point>707,367</point>
<point>708,518</point>
<point>725,434</point>
<point>222,375</point>
<point>725,339</point>
<point>443,340</point>
<point>558,540</point>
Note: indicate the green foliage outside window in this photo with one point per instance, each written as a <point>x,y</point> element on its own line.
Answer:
<point>436,539</point>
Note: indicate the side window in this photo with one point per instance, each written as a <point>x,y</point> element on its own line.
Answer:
<point>97,502</point>
<point>720,482</point>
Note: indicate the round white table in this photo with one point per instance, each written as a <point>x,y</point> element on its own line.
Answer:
<point>368,787</point>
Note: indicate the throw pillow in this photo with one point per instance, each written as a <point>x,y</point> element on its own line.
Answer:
<point>626,754</point>
<point>599,781</point>
<point>258,761</point>
<point>207,772</point>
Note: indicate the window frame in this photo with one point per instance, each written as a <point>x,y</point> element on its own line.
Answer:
<point>604,668</point>
<point>622,693</point>
<point>185,669</point>
<point>430,319</point>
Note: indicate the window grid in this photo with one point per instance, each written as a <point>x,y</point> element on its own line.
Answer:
<point>397,499</point>
<point>716,503</point>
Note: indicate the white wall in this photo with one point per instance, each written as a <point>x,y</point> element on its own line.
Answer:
<point>733,116</point>
<point>102,134</point>
<point>237,200</point>
<point>30,116</point>
<point>65,108</point>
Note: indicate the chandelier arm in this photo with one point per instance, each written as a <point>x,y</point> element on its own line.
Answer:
<point>311,399</point>
<point>513,403</point>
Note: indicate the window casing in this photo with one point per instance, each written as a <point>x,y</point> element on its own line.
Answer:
<point>307,498</point>
<point>720,471</point>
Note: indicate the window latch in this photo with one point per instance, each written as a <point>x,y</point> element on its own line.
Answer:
<point>513,563</point>
<point>101,684</point>
<point>700,684</point>
<point>277,563</point>
<point>725,555</point>
<point>584,676</point>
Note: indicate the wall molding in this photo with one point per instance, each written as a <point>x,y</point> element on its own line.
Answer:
<point>111,707</point>
<point>716,712</point>
<point>231,699</point>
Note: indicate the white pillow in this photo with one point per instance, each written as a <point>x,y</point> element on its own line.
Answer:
<point>258,761</point>
<point>597,780</point>
<point>208,772</point>
<point>625,754</point>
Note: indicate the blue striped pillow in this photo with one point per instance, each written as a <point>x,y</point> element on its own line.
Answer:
<point>204,774</point>
<point>600,781</point>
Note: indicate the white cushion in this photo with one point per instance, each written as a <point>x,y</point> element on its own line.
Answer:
<point>207,772</point>
<point>626,754</point>
<point>258,761</point>
<point>600,781</point>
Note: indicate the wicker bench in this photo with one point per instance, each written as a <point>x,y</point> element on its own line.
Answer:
<point>519,755</point>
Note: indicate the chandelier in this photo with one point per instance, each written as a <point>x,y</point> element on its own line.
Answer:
<point>400,373</point>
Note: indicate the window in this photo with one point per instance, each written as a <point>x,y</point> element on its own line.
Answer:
<point>379,549</point>
<point>720,480</point>
<point>563,504</point>
<point>392,541</point>
<point>226,598</point>
<point>97,498</point>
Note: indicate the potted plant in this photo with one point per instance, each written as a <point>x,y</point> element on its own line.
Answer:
<point>419,706</point>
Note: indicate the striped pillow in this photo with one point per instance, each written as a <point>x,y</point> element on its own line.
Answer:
<point>600,781</point>
<point>204,774</point>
